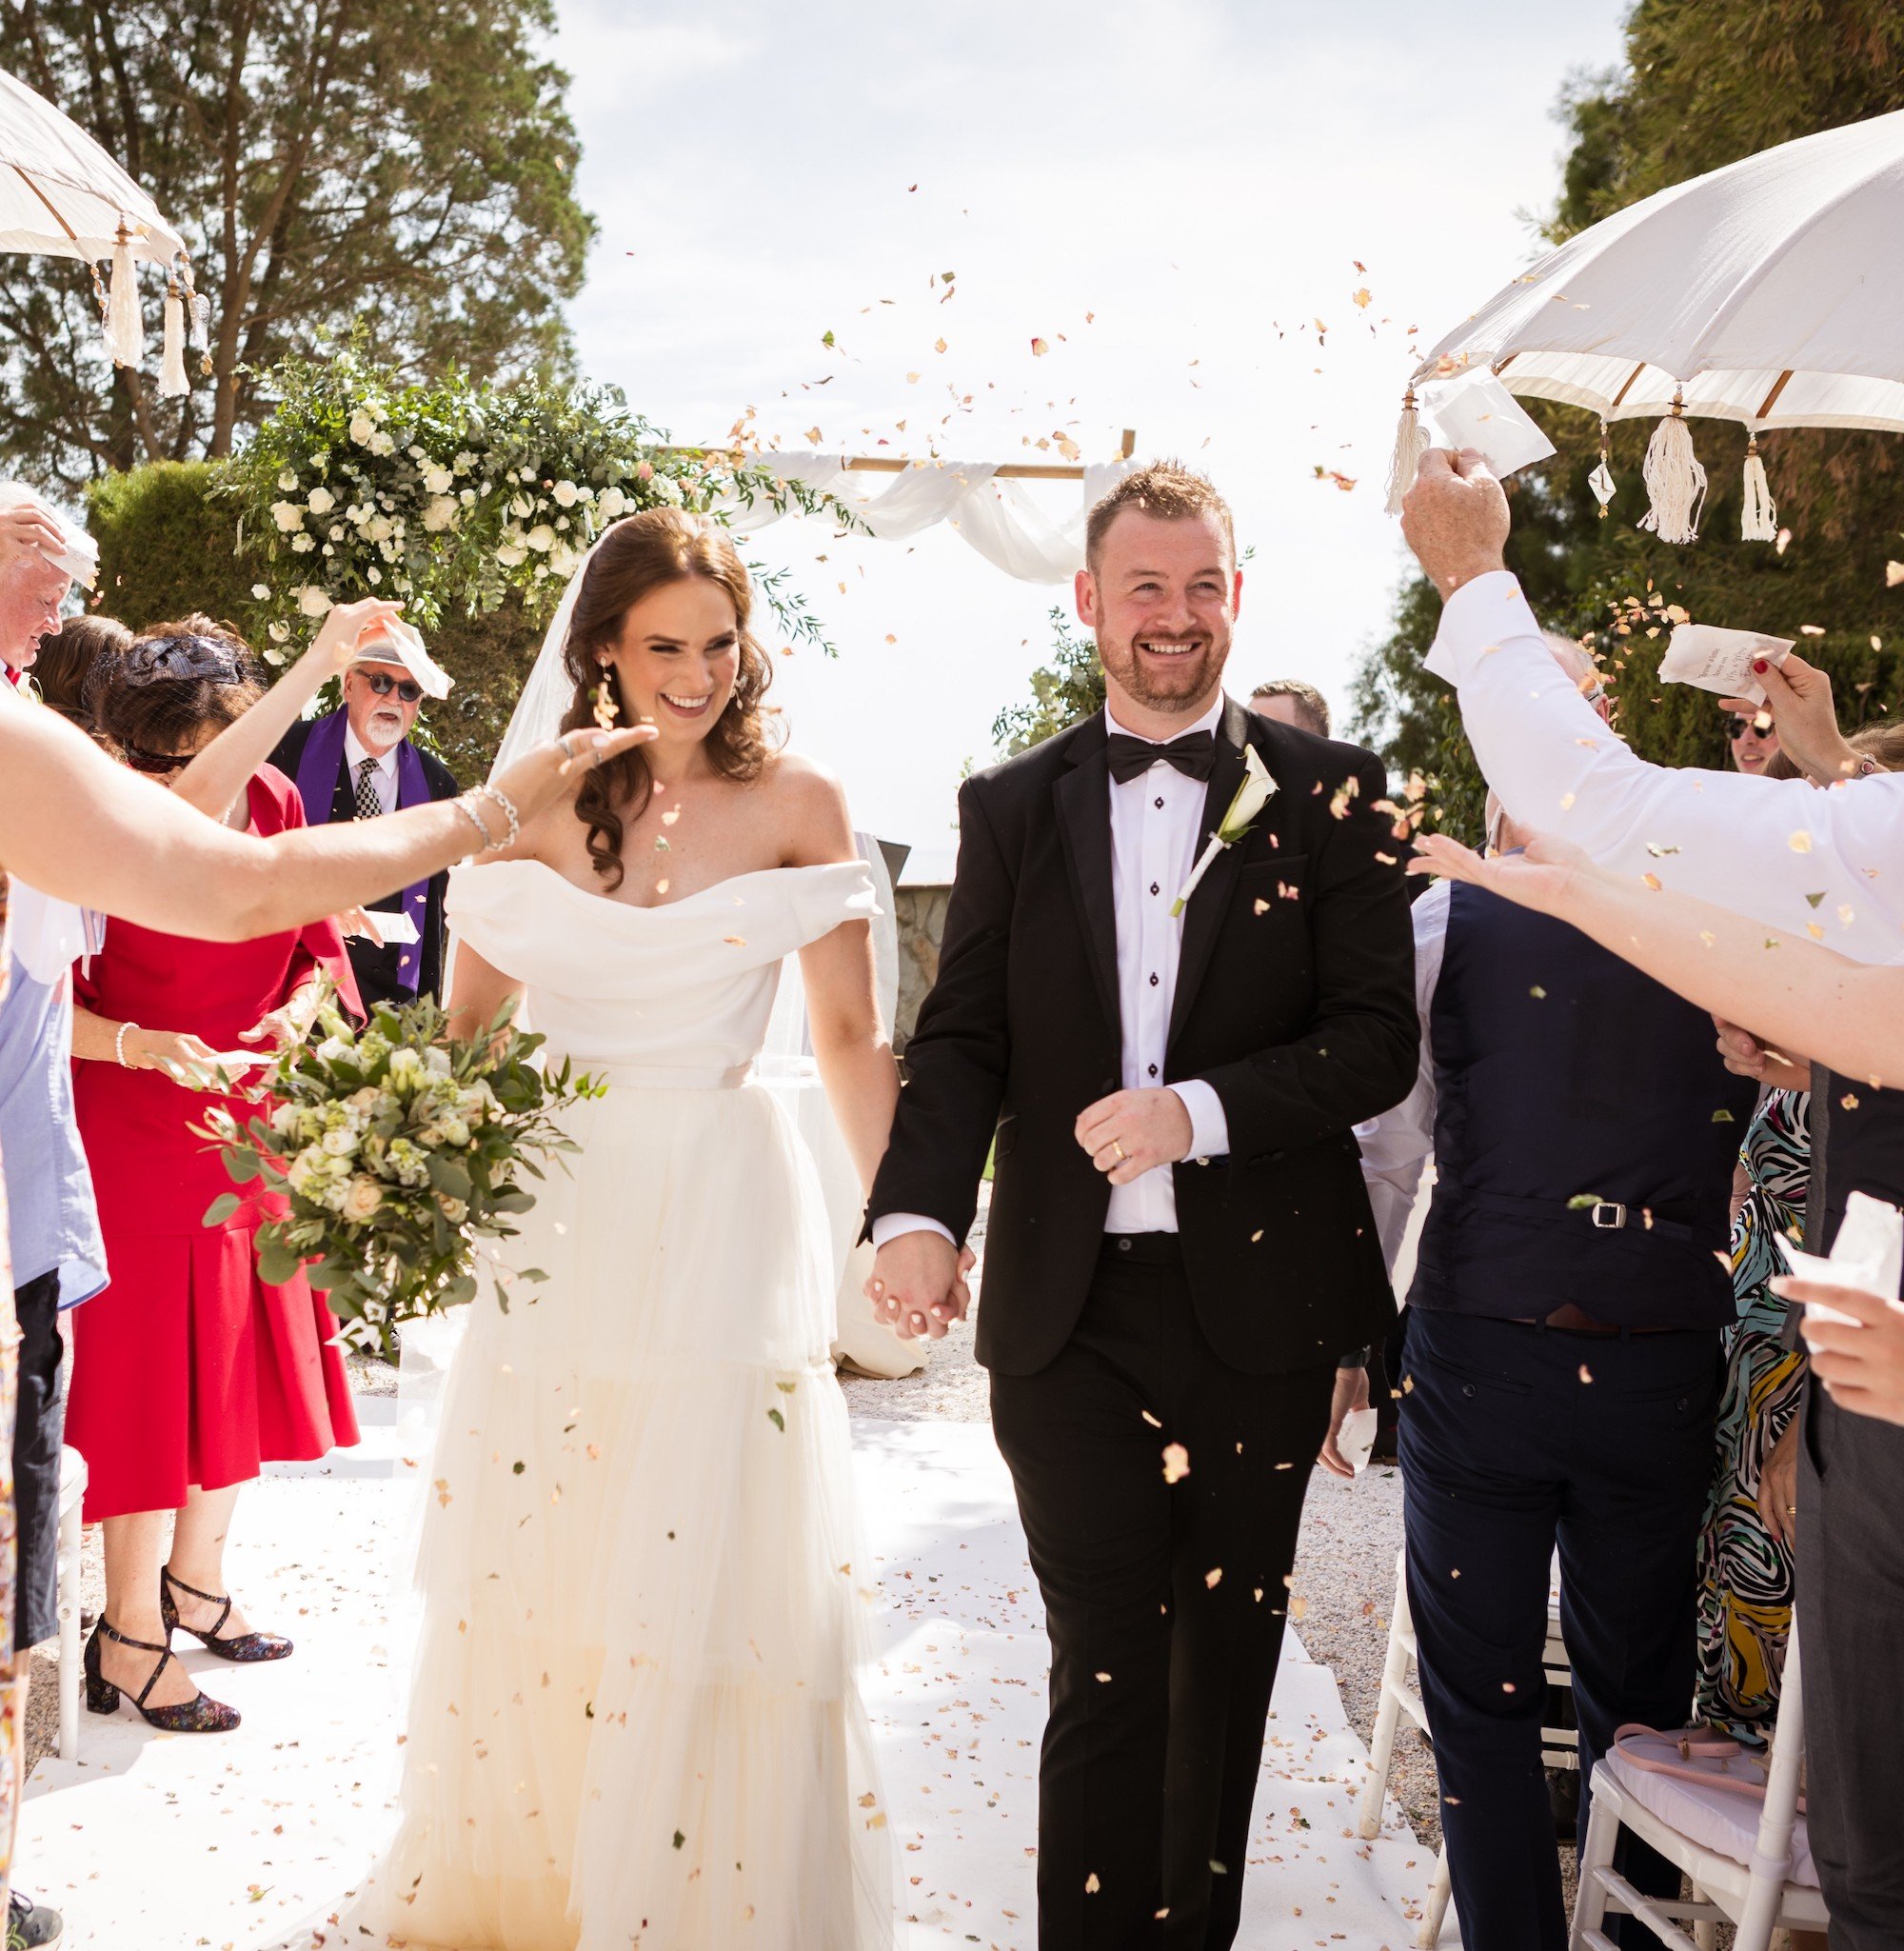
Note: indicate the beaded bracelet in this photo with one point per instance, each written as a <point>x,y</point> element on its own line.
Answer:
<point>462,804</point>
<point>119,1044</point>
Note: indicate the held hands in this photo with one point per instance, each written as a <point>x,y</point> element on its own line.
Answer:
<point>918,1287</point>
<point>1799,701</point>
<point>1862,1368</point>
<point>1746,1056</point>
<point>1455,518</point>
<point>1130,1132</point>
<point>1352,1393</point>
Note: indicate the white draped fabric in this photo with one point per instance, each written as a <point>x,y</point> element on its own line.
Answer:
<point>997,517</point>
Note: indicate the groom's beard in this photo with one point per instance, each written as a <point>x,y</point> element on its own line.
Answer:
<point>1167,682</point>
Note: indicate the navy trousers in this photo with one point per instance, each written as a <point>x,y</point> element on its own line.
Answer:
<point>1514,1439</point>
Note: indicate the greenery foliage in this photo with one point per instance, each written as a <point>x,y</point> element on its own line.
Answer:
<point>408,168</point>
<point>469,503</point>
<point>1070,686</point>
<point>396,1149</point>
<point>1702,85</point>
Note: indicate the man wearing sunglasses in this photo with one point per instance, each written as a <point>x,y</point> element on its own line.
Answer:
<point>1751,739</point>
<point>360,761</point>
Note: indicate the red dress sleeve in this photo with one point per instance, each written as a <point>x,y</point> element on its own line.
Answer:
<point>276,807</point>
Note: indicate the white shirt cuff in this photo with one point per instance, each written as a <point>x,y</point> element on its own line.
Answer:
<point>891,1226</point>
<point>1476,617</point>
<point>1209,1126</point>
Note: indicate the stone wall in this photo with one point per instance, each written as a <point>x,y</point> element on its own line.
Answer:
<point>920,914</point>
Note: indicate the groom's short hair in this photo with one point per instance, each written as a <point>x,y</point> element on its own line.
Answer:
<point>1166,489</point>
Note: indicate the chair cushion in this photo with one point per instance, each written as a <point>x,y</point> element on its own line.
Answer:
<point>1717,1819</point>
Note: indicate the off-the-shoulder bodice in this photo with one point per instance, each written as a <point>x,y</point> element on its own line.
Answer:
<point>684,991</point>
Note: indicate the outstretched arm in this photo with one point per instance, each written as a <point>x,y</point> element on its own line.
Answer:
<point>219,774</point>
<point>1775,850</point>
<point>77,827</point>
<point>1797,993</point>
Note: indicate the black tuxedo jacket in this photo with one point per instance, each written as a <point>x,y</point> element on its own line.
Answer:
<point>375,967</point>
<point>1294,1000</point>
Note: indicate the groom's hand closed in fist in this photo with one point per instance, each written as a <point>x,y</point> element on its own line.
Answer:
<point>917,1284</point>
<point>1455,519</point>
<point>1131,1131</point>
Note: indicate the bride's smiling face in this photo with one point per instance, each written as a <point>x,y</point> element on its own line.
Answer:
<point>677,657</point>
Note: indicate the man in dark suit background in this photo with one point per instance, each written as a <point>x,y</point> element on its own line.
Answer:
<point>1181,1250</point>
<point>359,762</point>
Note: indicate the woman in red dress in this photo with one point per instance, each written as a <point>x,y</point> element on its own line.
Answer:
<point>188,1372</point>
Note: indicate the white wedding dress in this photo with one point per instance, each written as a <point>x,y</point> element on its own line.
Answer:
<point>634,1719</point>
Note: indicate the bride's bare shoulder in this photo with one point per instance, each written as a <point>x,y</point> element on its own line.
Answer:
<point>808,800</point>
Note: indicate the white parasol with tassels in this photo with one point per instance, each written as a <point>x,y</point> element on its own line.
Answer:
<point>63,196</point>
<point>1770,292</point>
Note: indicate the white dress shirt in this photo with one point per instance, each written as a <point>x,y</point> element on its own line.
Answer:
<point>1396,1146</point>
<point>1778,850</point>
<point>382,775</point>
<point>1156,822</point>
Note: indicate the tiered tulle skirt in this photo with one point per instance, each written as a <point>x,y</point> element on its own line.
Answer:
<point>634,1719</point>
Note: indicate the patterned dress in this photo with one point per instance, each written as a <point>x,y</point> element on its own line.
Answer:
<point>1745,1573</point>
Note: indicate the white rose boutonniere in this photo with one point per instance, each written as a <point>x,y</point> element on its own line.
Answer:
<point>1251,797</point>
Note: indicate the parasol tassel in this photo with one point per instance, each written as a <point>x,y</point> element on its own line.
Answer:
<point>172,378</point>
<point>1675,483</point>
<point>125,332</point>
<point>1411,442</point>
<point>1762,516</point>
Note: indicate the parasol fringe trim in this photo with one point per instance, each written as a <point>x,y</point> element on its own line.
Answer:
<point>123,330</point>
<point>172,378</point>
<point>1762,516</point>
<point>1411,442</point>
<point>1675,483</point>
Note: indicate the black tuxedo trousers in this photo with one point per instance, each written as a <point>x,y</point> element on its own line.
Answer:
<point>1166,1600</point>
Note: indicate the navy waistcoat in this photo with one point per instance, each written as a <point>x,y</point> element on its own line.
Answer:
<point>1864,1151</point>
<point>1562,1074</point>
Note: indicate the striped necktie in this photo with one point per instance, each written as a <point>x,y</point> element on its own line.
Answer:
<point>368,804</point>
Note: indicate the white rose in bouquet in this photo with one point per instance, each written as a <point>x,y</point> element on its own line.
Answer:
<point>438,480</point>
<point>611,503</point>
<point>511,551</point>
<point>284,1120</point>
<point>322,501</point>
<point>541,538</point>
<point>363,1198</point>
<point>339,1142</point>
<point>436,1061</point>
<point>440,514</point>
<point>455,1132</point>
<point>288,481</point>
<point>287,515</point>
<point>363,429</point>
<point>314,601</point>
<point>334,1050</point>
<point>454,1211</point>
<point>566,494</point>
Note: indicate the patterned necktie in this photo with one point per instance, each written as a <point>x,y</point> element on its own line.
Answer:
<point>368,804</point>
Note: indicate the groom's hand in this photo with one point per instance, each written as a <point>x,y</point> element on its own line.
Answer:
<point>917,1284</point>
<point>1455,518</point>
<point>1132,1131</point>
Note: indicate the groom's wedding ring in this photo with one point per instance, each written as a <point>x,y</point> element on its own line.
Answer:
<point>1121,1153</point>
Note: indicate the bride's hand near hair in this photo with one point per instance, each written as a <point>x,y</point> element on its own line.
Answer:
<point>1541,876</point>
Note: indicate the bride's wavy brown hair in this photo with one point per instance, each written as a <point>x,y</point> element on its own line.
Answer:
<point>636,557</point>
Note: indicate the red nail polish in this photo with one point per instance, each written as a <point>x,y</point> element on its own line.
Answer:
<point>1759,664</point>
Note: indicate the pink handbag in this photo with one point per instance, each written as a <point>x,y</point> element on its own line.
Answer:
<point>1695,1745</point>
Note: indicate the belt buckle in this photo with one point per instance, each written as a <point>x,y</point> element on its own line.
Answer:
<point>1608,1205</point>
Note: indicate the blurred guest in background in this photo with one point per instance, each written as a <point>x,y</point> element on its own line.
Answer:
<point>1291,702</point>
<point>360,761</point>
<point>75,665</point>
<point>1752,739</point>
<point>193,1371</point>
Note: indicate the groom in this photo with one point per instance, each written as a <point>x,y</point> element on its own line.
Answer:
<point>1179,1249</point>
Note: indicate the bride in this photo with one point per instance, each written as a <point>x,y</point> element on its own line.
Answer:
<point>634,1719</point>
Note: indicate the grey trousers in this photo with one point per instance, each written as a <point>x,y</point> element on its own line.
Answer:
<point>1851,1610</point>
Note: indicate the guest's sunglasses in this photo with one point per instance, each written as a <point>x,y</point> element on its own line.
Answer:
<point>383,684</point>
<point>1741,726</point>
<point>156,764</point>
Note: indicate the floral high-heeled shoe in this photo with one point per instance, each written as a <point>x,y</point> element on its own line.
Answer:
<point>200,1714</point>
<point>246,1646</point>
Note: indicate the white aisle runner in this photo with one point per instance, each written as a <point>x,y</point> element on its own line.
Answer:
<point>246,1841</point>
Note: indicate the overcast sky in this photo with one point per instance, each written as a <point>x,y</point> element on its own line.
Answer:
<point>1171,197</point>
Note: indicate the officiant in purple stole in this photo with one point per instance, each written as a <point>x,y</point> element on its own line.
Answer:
<point>360,761</point>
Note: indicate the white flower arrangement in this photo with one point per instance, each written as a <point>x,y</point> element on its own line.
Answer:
<point>389,1153</point>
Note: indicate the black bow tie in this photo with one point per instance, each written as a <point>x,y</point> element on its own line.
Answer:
<point>1195,753</point>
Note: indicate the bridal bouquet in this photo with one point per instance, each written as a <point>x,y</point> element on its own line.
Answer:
<point>398,1148</point>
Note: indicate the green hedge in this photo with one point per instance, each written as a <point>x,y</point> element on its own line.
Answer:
<point>169,544</point>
